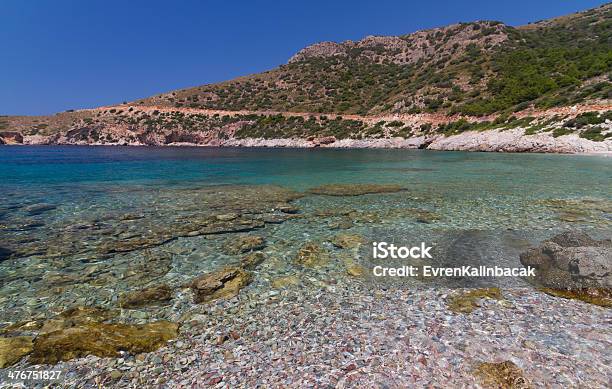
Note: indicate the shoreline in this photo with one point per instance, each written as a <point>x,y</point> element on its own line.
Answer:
<point>509,141</point>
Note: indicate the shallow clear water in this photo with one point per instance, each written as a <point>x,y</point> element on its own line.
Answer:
<point>81,225</point>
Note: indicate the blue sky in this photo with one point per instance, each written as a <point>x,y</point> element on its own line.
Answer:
<point>66,54</point>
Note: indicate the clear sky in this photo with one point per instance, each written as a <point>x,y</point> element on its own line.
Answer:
<point>66,54</point>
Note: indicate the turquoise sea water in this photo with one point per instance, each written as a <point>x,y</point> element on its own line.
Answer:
<point>530,174</point>
<point>81,225</point>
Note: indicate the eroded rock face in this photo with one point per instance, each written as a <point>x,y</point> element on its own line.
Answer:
<point>13,349</point>
<point>244,244</point>
<point>11,137</point>
<point>354,189</point>
<point>158,294</point>
<point>103,340</point>
<point>312,255</point>
<point>573,265</point>
<point>224,283</point>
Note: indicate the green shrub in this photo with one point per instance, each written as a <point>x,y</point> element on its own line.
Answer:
<point>594,134</point>
<point>560,131</point>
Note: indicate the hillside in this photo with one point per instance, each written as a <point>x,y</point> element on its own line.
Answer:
<point>470,68</point>
<point>446,81</point>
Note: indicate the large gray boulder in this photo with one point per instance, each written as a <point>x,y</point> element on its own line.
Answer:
<point>571,260</point>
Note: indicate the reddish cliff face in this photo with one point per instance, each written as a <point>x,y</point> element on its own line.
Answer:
<point>10,137</point>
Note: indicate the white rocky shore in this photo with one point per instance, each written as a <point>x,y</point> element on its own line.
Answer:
<point>509,141</point>
<point>385,143</point>
<point>512,141</point>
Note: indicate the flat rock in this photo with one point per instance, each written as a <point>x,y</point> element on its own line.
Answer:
<point>467,301</point>
<point>102,340</point>
<point>75,317</point>
<point>37,209</point>
<point>252,260</point>
<point>226,217</point>
<point>287,208</point>
<point>244,244</point>
<point>312,255</point>
<point>224,283</point>
<point>348,241</point>
<point>283,282</point>
<point>158,294</point>
<point>354,189</point>
<point>342,224</point>
<point>355,270</point>
<point>13,349</point>
<point>502,375</point>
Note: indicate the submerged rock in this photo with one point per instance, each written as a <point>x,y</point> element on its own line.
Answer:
<point>5,253</point>
<point>502,375</point>
<point>75,317</point>
<point>226,217</point>
<point>148,296</point>
<point>427,217</point>
<point>244,244</point>
<point>577,239</point>
<point>38,209</point>
<point>102,340</point>
<point>21,327</point>
<point>13,349</point>
<point>355,270</point>
<point>287,208</point>
<point>145,269</point>
<point>312,255</point>
<point>342,224</point>
<point>252,260</point>
<point>348,241</point>
<point>580,210</point>
<point>597,296</point>
<point>224,283</point>
<point>178,213</point>
<point>333,212</point>
<point>354,189</point>
<point>573,265</point>
<point>283,282</point>
<point>467,301</point>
